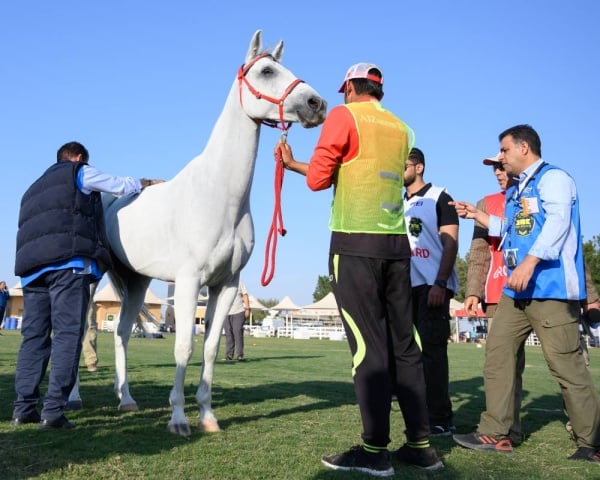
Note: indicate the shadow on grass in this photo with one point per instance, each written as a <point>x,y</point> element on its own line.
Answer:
<point>103,432</point>
<point>536,412</point>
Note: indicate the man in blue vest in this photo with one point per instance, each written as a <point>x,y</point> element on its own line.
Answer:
<point>543,251</point>
<point>61,249</point>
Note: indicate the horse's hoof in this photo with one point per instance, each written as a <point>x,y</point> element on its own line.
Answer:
<point>181,429</point>
<point>129,407</point>
<point>74,405</point>
<point>209,426</point>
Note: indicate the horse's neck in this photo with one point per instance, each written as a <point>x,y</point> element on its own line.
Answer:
<point>230,153</point>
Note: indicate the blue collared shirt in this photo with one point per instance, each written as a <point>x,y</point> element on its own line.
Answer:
<point>557,194</point>
<point>90,179</point>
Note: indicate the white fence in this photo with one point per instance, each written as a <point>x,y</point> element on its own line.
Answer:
<point>303,333</point>
<point>533,340</point>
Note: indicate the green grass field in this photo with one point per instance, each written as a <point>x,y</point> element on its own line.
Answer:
<point>290,403</point>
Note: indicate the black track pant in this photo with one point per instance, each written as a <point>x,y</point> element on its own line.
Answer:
<point>433,325</point>
<point>374,298</point>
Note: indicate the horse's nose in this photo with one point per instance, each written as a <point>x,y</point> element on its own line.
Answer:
<point>316,103</point>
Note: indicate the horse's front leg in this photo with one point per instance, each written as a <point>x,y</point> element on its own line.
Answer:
<point>186,298</point>
<point>220,301</point>
<point>208,422</point>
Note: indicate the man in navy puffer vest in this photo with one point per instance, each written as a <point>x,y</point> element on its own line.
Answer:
<point>61,249</point>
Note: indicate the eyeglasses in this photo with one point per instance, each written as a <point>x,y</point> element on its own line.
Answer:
<point>409,165</point>
<point>498,166</point>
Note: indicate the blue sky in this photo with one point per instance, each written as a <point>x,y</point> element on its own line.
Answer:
<point>141,82</point>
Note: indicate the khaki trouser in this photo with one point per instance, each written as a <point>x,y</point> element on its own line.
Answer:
<point>91,330</point>
<point>556,325</point>
<point>516,413</point>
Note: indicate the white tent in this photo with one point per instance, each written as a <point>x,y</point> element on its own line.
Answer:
<point>287,308</point>
<point>285,305</point>
<point>255,304</point>
<point>326,307</point>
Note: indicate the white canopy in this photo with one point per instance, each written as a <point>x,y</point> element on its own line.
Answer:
<point>285,304</point>
<point>326,307</point>
<point>255,304</point>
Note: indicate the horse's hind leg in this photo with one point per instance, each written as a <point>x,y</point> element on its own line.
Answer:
<point>75,402</point>
<point>132,289</point>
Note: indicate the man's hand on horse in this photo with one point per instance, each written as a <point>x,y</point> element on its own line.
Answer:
<point>148,182</point>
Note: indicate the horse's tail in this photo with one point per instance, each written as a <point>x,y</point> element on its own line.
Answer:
<point>118,283</point>
<point>120,287</point>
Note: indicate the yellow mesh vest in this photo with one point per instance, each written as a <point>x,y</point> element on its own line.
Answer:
<point>368,190</point>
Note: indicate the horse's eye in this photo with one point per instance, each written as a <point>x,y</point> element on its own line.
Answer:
<point>267,71</point>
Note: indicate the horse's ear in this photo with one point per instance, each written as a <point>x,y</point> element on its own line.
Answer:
<point>278,51</point>
<point>255,46</point>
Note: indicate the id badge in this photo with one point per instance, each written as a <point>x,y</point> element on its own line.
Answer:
<point>510,257</point>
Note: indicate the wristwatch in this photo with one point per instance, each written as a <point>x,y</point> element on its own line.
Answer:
<point>441,283</point>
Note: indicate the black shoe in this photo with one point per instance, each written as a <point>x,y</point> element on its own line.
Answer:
<point>60,422</point>
<point>424,458</point>
<point>227,358</point>
<point>442,430</point>
<point>516,438</point>
<point>377,464</point>
<point>241,358</point>
<point>32,417</point>
<point>479,441</point>
<point>586,453</point>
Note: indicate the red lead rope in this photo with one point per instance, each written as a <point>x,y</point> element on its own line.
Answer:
<point>276,223</point>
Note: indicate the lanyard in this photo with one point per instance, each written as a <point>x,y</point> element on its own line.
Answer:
<point>517,197</point>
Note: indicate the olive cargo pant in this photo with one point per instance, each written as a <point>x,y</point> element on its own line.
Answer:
<point>556,325</point>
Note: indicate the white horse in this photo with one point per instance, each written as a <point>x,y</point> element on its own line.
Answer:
<point>196,228</point>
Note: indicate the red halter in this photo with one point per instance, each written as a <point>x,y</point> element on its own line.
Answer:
<point>243,70</point>
<point>277,221</point>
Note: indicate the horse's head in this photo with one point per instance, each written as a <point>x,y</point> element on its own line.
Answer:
<point>270,93</point>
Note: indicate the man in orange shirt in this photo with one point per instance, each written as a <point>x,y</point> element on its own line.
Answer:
<point>362,152</point>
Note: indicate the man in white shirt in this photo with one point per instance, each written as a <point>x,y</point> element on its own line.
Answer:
<point>234,324</point>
